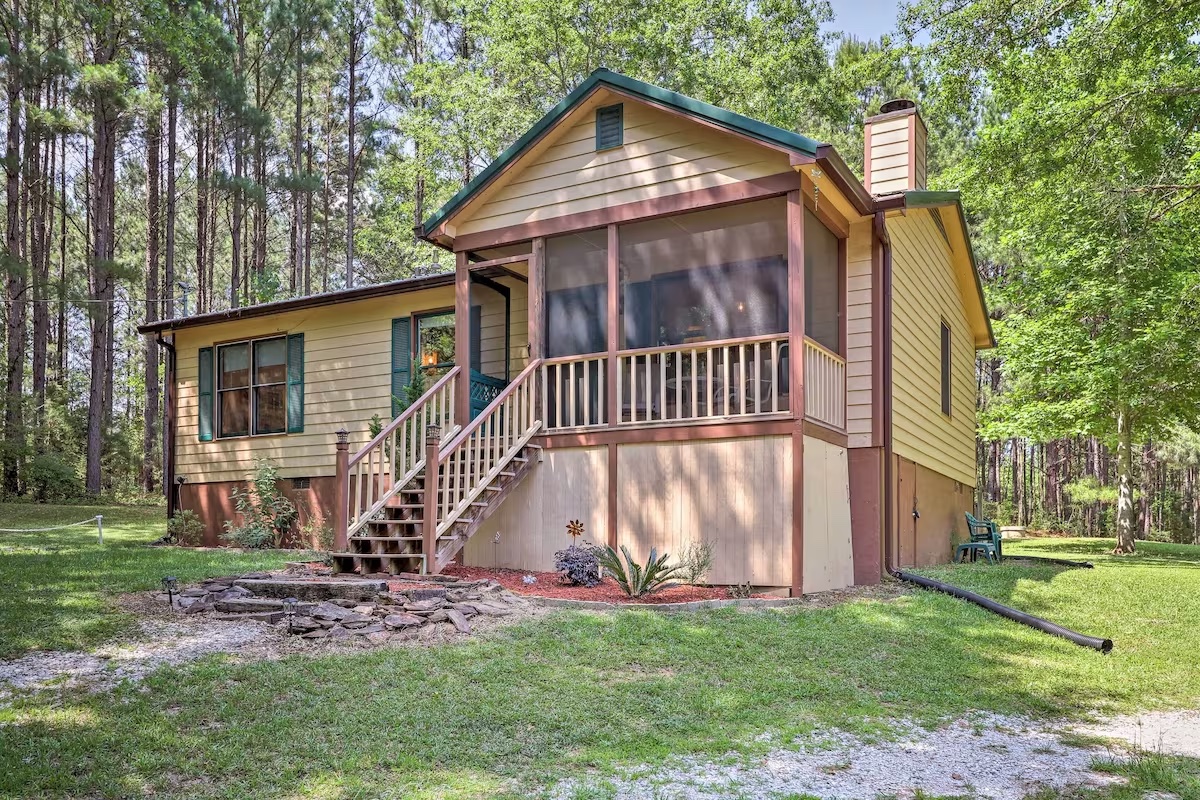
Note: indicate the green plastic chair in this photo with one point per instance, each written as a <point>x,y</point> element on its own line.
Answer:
<point>984,531</point>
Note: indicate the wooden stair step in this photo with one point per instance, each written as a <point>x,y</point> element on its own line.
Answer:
<point>400,521</point>
<point>386,538</point>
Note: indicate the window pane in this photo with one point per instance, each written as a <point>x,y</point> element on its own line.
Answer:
<point>269,415</point>
<point>822,306</point>
<point>435,340</point>
<point>233,371</point>
<point>576,293</point>
<point>235,413</point>
<point>270,361</point>
<point>715,274</point>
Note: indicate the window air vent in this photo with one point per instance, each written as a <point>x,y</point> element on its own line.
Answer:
<point>610,127</point>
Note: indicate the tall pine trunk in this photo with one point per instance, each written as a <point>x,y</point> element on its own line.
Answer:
<point>150,432</point>
<point>14,247</point>
<point>1126,513</point>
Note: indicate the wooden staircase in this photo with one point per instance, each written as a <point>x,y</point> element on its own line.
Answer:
<point>394,540</point>
<point>412,507</point>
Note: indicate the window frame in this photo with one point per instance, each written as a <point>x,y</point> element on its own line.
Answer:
<point>946,367</point>
<point>251,385</point>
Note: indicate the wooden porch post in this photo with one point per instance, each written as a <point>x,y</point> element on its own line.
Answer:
<point>462,338</point>
<point>429,514</point>
<point>341,512</point>
<point>537,300</point>
<point>795,227</point>
<point>613,399</point>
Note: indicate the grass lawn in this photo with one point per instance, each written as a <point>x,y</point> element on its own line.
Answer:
<point>504,714</point>
<point>56,587</point>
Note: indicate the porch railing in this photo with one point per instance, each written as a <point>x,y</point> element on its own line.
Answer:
<point>472,460</point>
<point>722,379</point>
<point>397,454</point>
<point>824,385</point>
<point>573,391</point>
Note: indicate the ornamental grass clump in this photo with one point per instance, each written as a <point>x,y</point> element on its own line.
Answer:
<point>634,579</point>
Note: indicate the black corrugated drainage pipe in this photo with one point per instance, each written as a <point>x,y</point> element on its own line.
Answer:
<point>1045,626</point>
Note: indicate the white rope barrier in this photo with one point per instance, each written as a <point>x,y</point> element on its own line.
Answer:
<point>98,519</point>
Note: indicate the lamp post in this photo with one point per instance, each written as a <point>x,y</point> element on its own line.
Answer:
<point>170,585</point>
<point>289,611</point>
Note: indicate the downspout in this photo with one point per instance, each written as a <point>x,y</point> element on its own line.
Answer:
<point>889,498</point>
<point>169,488</point>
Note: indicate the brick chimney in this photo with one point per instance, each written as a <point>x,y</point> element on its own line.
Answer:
<point>894,158</point>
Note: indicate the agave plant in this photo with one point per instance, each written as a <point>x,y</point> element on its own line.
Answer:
<point>634,579</point>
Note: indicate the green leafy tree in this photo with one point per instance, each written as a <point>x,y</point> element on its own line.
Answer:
<point>1087,174</point>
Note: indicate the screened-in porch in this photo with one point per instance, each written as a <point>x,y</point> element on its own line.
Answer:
<point>702,316</point>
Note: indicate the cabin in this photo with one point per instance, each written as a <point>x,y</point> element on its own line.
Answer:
<point>666,320</point>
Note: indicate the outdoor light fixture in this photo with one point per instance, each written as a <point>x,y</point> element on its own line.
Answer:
<point>289,610</point>
<point>170,585</point>
<point>343,435</point>
<point>433,433</point>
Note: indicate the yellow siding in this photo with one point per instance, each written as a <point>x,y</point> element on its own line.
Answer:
<point>663,154</point>
<point>569,483</point>
<point>492,324</point>
<point>858,335</point>
<point>347,353</point>
<point>733,492</point>
<point>924,292</point>
<point>828,555</point>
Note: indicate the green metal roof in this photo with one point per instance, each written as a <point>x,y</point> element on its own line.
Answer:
<point>736,123</point>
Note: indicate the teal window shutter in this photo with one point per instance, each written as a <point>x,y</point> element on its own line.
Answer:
<point>295,383</point>
<point>205,382</point>
<point>401,359</point>
<point>610,127</point>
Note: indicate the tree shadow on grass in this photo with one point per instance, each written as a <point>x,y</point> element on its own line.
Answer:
<point>515,710</point>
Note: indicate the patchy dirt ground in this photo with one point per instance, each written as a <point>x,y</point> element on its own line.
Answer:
<point>985,756</point>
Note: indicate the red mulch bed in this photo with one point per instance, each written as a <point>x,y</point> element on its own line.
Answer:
<point>549,585</point>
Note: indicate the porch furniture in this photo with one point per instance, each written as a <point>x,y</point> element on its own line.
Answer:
<point>974,549</point>
<point>984,531</point>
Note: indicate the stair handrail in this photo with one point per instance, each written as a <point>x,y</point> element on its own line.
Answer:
<point>408,412</point>
<point>404,456</point>
<point>508,422</point>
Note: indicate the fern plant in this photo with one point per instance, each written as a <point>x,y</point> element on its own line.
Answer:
<point>633,578</point>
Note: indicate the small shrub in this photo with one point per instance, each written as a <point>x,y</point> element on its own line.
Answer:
<point>185,528</point>
<point>697,561</point>
<point>52,479</point>
<point>579,564</point>
<point>634,579</point>
<point>316,532</point>
<point>267,513</point>
<point>741,591</point>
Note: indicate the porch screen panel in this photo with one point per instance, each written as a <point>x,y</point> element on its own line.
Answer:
<point>822,306</point>
<point>714,274</point>
<point>577,293</point>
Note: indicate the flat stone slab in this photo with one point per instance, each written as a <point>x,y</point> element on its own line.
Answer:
<point>257,616</point>
<point>246,604</point>
<point>313,590</point>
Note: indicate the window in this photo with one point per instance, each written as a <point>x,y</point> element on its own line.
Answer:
<point>610,127</point>
<point>945,369</point>
<point>577,293</point>
<point>252,387</point>
<point>822,275</point>
<point>705,275</point>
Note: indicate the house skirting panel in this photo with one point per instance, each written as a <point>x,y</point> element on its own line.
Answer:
<point>940,503</point>
<point>213,504</point>
<point>736,493</point>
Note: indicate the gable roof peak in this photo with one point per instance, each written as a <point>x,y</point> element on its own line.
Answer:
<point>637,90</point>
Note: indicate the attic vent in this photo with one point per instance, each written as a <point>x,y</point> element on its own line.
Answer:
<point>610,127</point>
